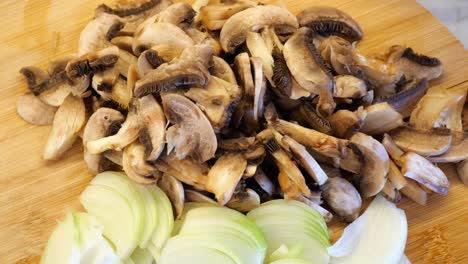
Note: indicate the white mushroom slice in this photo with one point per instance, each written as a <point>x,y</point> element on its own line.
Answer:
<point>104,81</point>
<point>427,143</point>
<point>167,52</point>
<point>114,156</point>
<point>96,128</point>
<point>222,70</point>
<point>458,151</point>
<point>250,170</point>
<point>217,100</point>
<point>126,135</point>
<point>192,134</point>
<point>203,37</point>
<point>348,86</point>
<point>288,188</point>
<point>326,214</point>
<point>123,63</point>
<point>123,42</point>
<point>260,87</point>
<point>147,61</point>
<point>381,118</point>
<point>342,197</point>
<point>264,182</point>
<point>391,193</point>
<point>214,15</point>
<point>175,191</point>
<point>396,177</point>
<point>392,149</point>
<point>234,31</point>
<point>34,111</point>
<point>185,170</point>
<point>135,165</point>
<point>98,32</point>
<point>462,171</point>
<point>423,171</point>
<point>56,95</point>
<point>197,197</point>
<point>179,14</point>
<point>122,93</point>
<point>372,176</point>
<point>244,201</point>
<point>92,62</point>
<point>345,123</point>
<point>306,160</point>
<point>413,191</point>
<point>404,102</point>
<point>243,69</point>
<point>259,48</point>
<point>351,162</point>
<point>68,121</point>
<point>224,176</point>
<point>160,33</point>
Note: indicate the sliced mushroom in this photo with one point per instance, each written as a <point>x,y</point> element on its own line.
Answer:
<point>423,171</point>
<point>92,62</point>
<point>352,161</point>
<point>427,143</point>
<point>405,101</point>
<point>69,119</point>
<point>60,81</point>
<point>457,152</point>
<point>213,16</point>
<point>462,171</point>
<point>190,69</point>
<point>250,170</point>
<point>147,61</point>
<point>264,182</point>
<point>217,100</point>
<point>260,87</point>
<point>134,8</point>
<point>179,14</point>
<point>372,176</point>
<point>160,33</point>
<point>103,82</point>
<point>204,37</point>
<point>243,69</point>
<point>175,191</point>
<point>96,128</point>
<point>414,191</point>
<point>259,48</point>
<point>244,201</point>
<point>224,176</point>
<point>396,177</point>
<point>126,135</point>
<point>342,197</point>
<point>198,197</point>
<point>114,156</point>
<point>328,21</point>
<point>192,134</point>
<point>125,60</point>
<point>348,86</point>
<point>306,115</point>
<point>345,123</point>
<point>308,69</point>
<point>288,188</point>
<point>167,52</point>
<point>306,160</point>
<point>153,131</point>
<point>185,170</point>
<point>413,65</point>
<point>392,149</point>
<point>36,78</point>
<point>324,144</point>
<point>123,42</point>
<point>34,111</point>
<point>234,31</point>
<point>381,118</point>
<point>326,214</point>
<point>222,70</point>
<point>135,165</point>
<point>282,77</point>
<point>391,193</point>
<point>98,33</point>
<point>236,144</point>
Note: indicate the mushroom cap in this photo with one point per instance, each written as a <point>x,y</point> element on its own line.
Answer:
<point>381,118</point>
<point>222,70</point>
<point>427,143</point>
<point>326,21</point>
<point>405,101</point>
<point>458,150</point>
<point>177,14</point>
<point>244,201</point>
<point>98,33</point>
<point>342,197</point>
<point>34,111</point>
<point>192,134</point>
<point>234,31</point>
<point>135,165</point>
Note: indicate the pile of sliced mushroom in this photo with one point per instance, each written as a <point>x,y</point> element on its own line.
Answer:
<point>239,102</point>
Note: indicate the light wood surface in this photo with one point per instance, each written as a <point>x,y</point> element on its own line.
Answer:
<point>34,193</point>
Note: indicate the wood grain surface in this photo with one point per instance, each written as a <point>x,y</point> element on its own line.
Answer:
<point>35,193</point>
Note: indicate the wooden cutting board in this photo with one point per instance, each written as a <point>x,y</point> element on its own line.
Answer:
<point>35,193</point>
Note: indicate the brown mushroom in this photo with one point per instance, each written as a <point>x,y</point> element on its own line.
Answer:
<point>135,165</point>
<point>328,21</point>
<point>175,191</point>
<point>234,31</point>
<point>462,171</point>
<point>427,143</point>
<point>198,197</point>
<point>396,177</point>
<point>390,192</point>
<point>381,118</point>
<point>186,170</point>
<point>236,144</point>
<point>345,123</point>
<point>308,69</point>
<point>244,201</point>
<point>222,70</point>
<point>392,149</point>
<point>342,197</point>
<point>307,116</point>
<point>414,191</point>
<point>34,111</point>
<point>36,78</point>
<point>69,119</point>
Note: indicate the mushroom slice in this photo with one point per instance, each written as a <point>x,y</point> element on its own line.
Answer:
<point>34,111</point>
<point>414,65</point>
<point>288,188</point>
<point>236,144</point>
<point>175,191</point>
<point>192,134</point>
<point>98,33</point>
<point>352,161</point>
<point>288,166</point>
<point>125,60</point>
<point>68,121</point>
<point>423,171</point>
<point>153,131</point>
<point>179,14</point>
<point>135,165</point>
<point>462,171</point>
<point>126,135</point>
<point>348,86</point>
<point>198,197</point>
<point>381,118</point>
<point>458,151</point>
<point>322,143</point>
<point>395,177</point>
<point>250,170</point>
<point>342,197</point>
<point>185,170</point>
<point>281,77</point>
<point>92,62</point>
<point>264,182</point>
<point>427,143</point>
<point>326,214</point>
<point>132,8</point>
<point>96,128</point>
<point>222,70</point>
<point>217,100</point>
<point>190,69</point>
<point>103,82</point>
<point>372,176</point>
<point>306,160</point>
<point>160,33</point>
<point>308,69</point>
<point>234,31</point>
<point>167,52</point>
<point>243,69</point>
<point>123,42</point>
<point>328,21</point>
<point>114,156</point>
<point>260,87</point>
<point>306,115</point>
<point>203,37</point>
<point>224,176</point>
<point>391,193</point>
<point>244,201</point>
<point>258,48</point>
<point>345,123</point>
<point>405,101</point>
<point>122,93</point>
<point>213,16</point>
<point>414,191</point>
<point>392,149</point>
<point>147,61</point>
<point>36,78</point>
